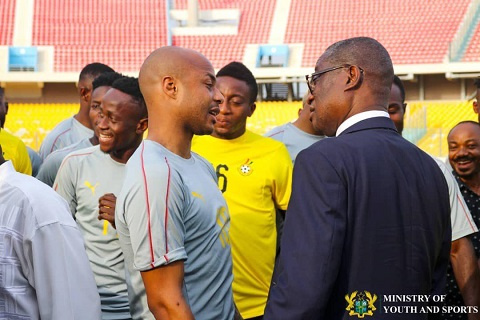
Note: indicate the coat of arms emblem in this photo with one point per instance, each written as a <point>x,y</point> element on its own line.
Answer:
<point>361,304</point>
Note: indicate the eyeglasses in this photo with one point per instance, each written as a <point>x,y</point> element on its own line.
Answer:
<point>311,78</point>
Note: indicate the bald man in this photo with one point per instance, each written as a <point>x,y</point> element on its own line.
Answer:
<point>362,221</point>
<point>171,218</point>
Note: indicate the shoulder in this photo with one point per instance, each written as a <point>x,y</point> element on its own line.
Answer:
<point>204,141</point>
<point>269,147</point>
<point>36,199</point>
<point>7,136</point>
<point>82,153</point>
<point>76,157</point>
<point>150,158</point>
<point>277,133</point>
<point>204,163</point>
<point>60,129</point>
<point>12,145</point>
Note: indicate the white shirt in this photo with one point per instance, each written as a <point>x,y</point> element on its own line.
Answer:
<point>359,117</point>
<point>461,219</point>
<point>44,269</point>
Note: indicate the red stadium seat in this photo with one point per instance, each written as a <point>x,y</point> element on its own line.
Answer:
<point>118,33</point>
<point>413,31</point>
<point>7,18</point>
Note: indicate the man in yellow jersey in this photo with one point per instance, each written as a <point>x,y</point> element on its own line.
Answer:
<point>254,174</point>
<point>13,148</point>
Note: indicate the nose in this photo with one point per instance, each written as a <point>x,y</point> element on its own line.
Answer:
<point>462,151</point>
<point>311,101</point>
<point>218,96</point>
<point>102,121</point>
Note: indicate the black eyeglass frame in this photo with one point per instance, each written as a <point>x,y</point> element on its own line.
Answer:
<point>314,76</point>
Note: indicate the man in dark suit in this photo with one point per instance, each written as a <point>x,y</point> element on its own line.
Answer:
<point>363,222</point>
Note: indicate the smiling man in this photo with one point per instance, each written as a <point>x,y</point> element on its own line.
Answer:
<point>90,178</point>
<point>51,164</point>
<point>77,127</point>
<point>464,157</point>
<point>254,174</point>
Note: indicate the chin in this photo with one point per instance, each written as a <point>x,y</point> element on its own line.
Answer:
<point>203,131</point>
<point>105,149</point>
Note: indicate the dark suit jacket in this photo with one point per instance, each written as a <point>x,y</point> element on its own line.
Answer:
<point>369,211</point>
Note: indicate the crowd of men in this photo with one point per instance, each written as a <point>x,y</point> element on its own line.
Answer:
<point>320,218</point>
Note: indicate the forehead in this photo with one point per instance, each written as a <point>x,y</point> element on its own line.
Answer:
<point>395,94</point>
<point>464,132</point>
<point>99,92</point>
<point>232,86</point>
<point>200,65</point>
<point>115,98</point>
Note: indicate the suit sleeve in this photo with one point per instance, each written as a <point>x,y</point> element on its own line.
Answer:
<point>312,242</point>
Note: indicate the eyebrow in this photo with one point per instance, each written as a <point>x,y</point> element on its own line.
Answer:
<point>212,77</point>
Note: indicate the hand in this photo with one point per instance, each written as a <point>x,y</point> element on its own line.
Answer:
<point>106,205</point>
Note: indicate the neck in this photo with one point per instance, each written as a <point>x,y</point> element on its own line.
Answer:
<point>94,140</point>
<point>304,126</point>
<point>171,135</point>
<point>82,116</point>
<point>122,156</point>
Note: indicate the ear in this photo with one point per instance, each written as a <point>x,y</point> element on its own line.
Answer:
<point>252,107</point>
<point>299,112</point>
<point>142,126</point>
<point>84,94</point>
<point>355,77</point>
<point>169,86</point>
<point>475,106</point>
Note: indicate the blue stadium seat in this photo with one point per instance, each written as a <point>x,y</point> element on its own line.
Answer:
<point>272,55</point>
<point>22,58</point>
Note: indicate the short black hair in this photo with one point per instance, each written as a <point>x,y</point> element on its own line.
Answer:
<point>240,72</point>
<point>106,79</point>
<point>2,92</point>
<point>463,122</point>
<point>399,84</point>
<point>93,70</point>
<point>477,82</point>
<point>130,86</point>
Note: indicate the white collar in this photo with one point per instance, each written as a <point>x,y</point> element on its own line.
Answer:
<point>359,117</point>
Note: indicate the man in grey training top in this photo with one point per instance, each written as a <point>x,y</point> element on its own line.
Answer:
<point>171,217</point>
<point>51,164</point>
<point>93,176</point>
<point>297,135</point>
<point>78,126</point>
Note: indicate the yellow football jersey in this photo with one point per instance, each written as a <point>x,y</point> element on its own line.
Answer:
<point>15,150</point>
<point>255,176</point>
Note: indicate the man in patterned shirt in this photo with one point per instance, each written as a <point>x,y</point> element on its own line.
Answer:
<point>464,156</point>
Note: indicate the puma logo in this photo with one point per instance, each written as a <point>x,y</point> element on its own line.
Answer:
<point>197,195</point>
<point>92,188</point>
